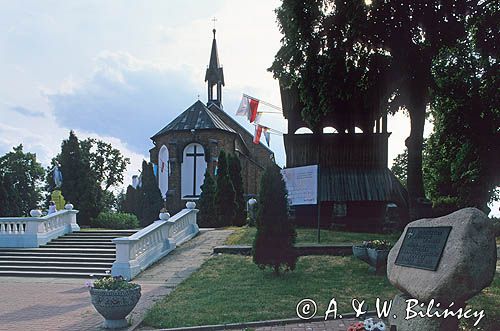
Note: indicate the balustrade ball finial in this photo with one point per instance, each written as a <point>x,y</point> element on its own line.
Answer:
<point>35,213</point>
<point>190,205</point>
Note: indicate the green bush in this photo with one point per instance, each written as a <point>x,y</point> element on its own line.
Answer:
<point>115,221</point>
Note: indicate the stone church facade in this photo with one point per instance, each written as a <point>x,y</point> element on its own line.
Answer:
<point>190,144</point>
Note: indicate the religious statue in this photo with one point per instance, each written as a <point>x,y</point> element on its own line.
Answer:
<point>57,175</point>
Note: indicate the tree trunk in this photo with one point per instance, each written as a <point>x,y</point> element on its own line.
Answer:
<point>414,143</point>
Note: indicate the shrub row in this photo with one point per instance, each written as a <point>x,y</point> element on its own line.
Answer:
<point>116,221</point>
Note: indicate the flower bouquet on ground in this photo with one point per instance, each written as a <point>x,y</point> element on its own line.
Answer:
<point>368,325</point>
<point>114,298</point>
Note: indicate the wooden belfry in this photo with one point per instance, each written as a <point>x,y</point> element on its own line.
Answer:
<point>355,185</point>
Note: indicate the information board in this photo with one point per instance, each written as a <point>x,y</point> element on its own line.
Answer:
<point>302,185</point>
<point>423,247</point>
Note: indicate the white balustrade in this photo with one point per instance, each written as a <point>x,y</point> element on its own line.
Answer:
<point>138,251</point>
<point>35,231</point>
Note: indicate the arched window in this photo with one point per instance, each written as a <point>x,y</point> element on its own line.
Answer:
<point>303,130</point>
<point>329,129</point>
<point>357,130</point>
<point>163,170</point>
<point>192,171</point>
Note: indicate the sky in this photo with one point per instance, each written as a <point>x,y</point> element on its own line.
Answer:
<point>121,70</point>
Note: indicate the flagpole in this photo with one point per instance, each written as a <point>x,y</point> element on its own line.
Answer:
<point>280,111</point>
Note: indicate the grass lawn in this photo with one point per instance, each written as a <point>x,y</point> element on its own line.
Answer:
<point>245,236</point>
<point>489,300</point>
<point>231,288</point>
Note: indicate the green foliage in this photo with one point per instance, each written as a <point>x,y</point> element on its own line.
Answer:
<point>354,61</point>
<point>239,199</point>
<point>90,169</point>
<point>20,182</point>
<point>496,226</point>
<point>400,167</point>
<point>463,149</point>
<point>115,221</point>
<point>80,186</point>
<point>224,200</point>
<point>113,283</point>
<point>150,197</point>
<point>106,162</point>
<point>207,217</point>
<point>274,242</point>
<point>132,202</point>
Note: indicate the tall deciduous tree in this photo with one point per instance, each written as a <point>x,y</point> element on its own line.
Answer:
<point>20,181</point>
<point>237,181</point>
<point>274,242</point>
<point>463,148</point>
<point>225,196</point>
<point>207,216</point>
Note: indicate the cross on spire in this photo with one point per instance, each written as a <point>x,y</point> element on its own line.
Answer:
<point>214,20</point>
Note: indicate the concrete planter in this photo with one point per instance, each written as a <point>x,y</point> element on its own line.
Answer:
<point>360,252</point>
<point>377,259</point>
<point>115,305</point>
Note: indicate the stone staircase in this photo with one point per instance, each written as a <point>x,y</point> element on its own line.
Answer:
<point>79,254</point>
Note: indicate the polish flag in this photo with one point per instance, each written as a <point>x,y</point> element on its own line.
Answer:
<point>258,133</point>
<point>248,107</point>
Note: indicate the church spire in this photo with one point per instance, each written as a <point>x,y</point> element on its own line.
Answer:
<point>214,76</point>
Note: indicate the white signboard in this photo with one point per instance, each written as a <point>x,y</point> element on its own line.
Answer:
<point>302,185</point>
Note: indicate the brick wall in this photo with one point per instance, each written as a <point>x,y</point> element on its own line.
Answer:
<point>253,158</point>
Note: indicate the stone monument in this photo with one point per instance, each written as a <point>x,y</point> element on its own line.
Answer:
<point>439,264</point>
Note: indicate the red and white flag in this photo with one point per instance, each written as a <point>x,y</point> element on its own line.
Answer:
<point>258,133</point>
<point>248,107</point>
<point>259,129</point>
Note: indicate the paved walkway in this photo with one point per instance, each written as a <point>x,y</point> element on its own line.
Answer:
<point>51,304</point>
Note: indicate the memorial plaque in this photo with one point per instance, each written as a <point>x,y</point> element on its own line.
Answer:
<point>423,247</point>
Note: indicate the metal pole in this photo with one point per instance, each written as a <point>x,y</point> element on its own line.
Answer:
<point>318,197</point>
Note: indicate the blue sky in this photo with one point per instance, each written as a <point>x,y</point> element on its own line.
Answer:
<point>121,70</point>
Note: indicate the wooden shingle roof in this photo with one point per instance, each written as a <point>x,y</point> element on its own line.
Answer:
<point>358,184</point>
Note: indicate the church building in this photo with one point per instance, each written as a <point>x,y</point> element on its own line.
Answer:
<point>190,145</point>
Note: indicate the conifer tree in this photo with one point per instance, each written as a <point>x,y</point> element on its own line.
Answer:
<point>132,202</point>
<point>207,216</point>
<point>79,185</point>
<point>274,242</point>
<point>224,196</point>
<point>235,177</point>
<point>151,200</point>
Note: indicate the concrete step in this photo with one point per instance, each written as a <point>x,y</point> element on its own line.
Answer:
<point>58,274</point>
<point>85,238</point>
<point>116,233</point>
<point>66,264</point>
<point>64,250</point>
<point>76,253</point>
<point>76,244</point>
<point>54,269</point>
<point>36,258</point>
